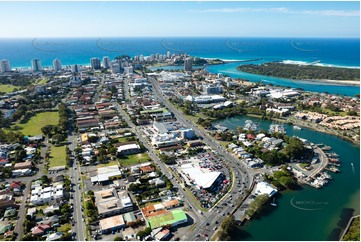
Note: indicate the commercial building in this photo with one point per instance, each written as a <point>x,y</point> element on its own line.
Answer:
<point>95,63</point>
<point>187,133</point>
<point>128,149</point>
<point>105,174</point>
<point>152,209</point>
<point>110,224</point>
<point>265,188</point>
<point>109,202</point>
<point>206,99</point>
<point>172,218</point>
<point>57,65</point>
<point>4,66</point>
<point>165,139</point>
<point>212,89</point>
<point>204,179</point>
<point>36,65</point>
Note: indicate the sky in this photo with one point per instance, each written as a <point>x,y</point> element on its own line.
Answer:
<point>170,19</point>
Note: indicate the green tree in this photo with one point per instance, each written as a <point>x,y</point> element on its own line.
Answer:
<point>295,148</point>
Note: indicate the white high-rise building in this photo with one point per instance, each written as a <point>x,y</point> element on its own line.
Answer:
<point>188,64</point>
<point>95,63</point>
<point>75,69</point>
<point>141,58</point>
<point>57,65</point>
<point>168,54</point>
<point>106,62</point>
<point>36,65</point>
<point>128,70</point>
<point>115,67</point>
<point>4,66</point>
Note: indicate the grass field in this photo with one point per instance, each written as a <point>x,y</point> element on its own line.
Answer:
<point>41,81</point>
<point>65,228</point>
<point>7,88</point>
<point>57,156</point>
<point>134,159</point>
<point>34,125</point>
<point>112,163</point>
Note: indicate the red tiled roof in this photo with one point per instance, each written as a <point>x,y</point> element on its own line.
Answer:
<point>40,229</point>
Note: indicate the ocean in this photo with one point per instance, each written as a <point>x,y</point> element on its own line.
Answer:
<point>323,52</point>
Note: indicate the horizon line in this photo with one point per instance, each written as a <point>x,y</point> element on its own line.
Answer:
<point>99,37</point>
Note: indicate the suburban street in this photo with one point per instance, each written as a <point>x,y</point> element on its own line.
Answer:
<point>74,173</point>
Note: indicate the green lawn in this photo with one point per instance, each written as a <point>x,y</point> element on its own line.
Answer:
<point>134,159</point>
<point>7,88</point>
<point>41,81</point>
<point>34,125</point>
<point>57,156</point>
<point>65,228</point>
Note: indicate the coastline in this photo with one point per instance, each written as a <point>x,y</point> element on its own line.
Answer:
<point>336,82</point>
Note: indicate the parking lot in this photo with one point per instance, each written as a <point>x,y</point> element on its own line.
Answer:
<point>207,161</point>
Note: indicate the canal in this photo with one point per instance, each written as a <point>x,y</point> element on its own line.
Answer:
<point>308,214</point>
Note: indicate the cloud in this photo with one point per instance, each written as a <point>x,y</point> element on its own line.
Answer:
<point>239,10</point>
<point>341,13</point>
<point>338,13</point>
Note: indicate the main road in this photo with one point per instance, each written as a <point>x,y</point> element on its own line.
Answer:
<point>243,176</point>
<point>206,222</point>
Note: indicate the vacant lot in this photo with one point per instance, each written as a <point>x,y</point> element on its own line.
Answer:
<point>34,125</point>
<point>57,156</point>
<point>134,159</point>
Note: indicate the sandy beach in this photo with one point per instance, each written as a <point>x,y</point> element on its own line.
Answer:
<point>336,82</point>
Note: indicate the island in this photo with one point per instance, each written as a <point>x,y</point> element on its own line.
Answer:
<point>303,72</point>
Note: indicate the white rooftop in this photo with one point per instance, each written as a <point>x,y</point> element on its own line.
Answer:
<point>202,179</point>
<point>265,188</point>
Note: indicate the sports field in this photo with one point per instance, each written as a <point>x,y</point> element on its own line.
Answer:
<point>57,156</point>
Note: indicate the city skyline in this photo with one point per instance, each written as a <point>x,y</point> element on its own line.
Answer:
<point>175,19</point>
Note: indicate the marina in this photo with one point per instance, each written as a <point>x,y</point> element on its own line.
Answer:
<point>250,125</point>
<point>277,128</point>
<point>330,205</point>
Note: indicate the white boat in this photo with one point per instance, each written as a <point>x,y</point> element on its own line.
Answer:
<point>273,203</point>
<point>277,128</point>
<point>297,127</point>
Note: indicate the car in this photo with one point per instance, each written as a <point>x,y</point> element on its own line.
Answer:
<point>216,222</point>
<point>207,224</point>
<point>215,228</point>
<point>83,219</point>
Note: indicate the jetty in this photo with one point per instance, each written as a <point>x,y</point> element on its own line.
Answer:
<point>324,161</point>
